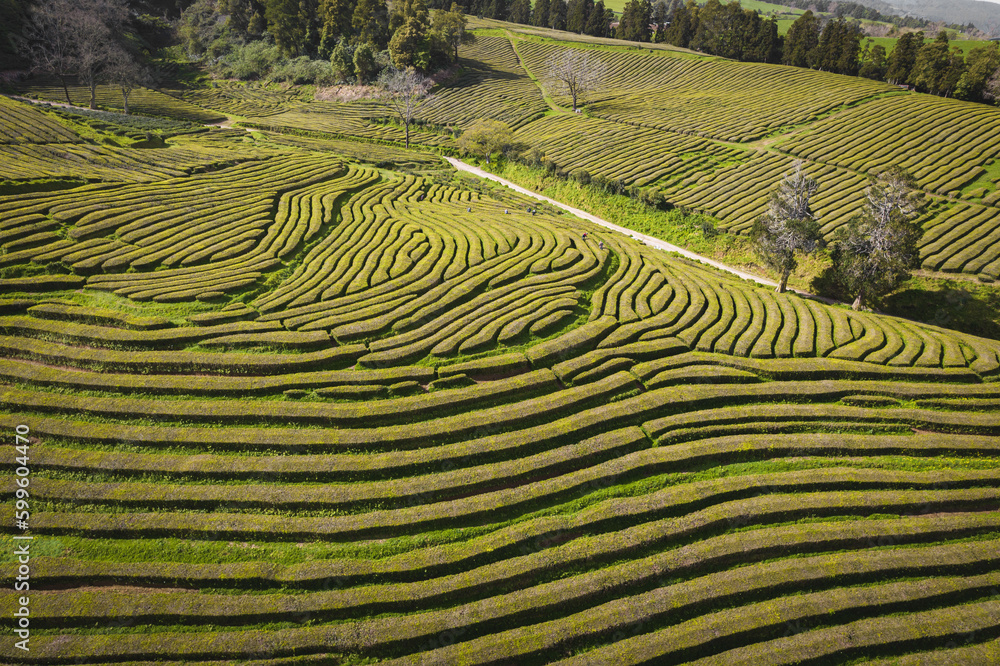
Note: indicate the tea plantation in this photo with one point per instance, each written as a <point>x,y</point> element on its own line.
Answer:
<point>296,399</point>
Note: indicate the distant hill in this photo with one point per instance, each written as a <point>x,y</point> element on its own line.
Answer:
<point>984,15</point>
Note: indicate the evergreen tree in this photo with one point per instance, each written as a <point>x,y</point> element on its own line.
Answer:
<point>342,61</point>
<point>937,69</point>
<point>801,41</point>
<point>789,225</point>
<point>496,9</point>
<point>370,23</point>
<point>557,14</point>
<point>540,15</point>
<point>849,61</point>
<point>874,251</point>
<point>875,63</point>
<point>597,22</point>
<point>448,28</point>
<point>982,63</point>
<point>903,57</point>
<point>365,63</point>
<point>335,16</point>
<point>767,43</point>
<point>636,17</point>
<point>577,13</point>
<point>286,26</point>
<point>661,16</point>
<point>828,48</point>
<point>683,25</point>
<point>520,12</point>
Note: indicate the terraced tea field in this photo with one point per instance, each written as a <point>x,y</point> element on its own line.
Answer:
<point>297,408</point>
<point>662,119</point>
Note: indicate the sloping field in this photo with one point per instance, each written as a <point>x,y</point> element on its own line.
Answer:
<point>643,116</point>
<point>702,96</point>
<point>491,84</point>
<point>142,100</point>
<point>301,410</point>
<point>710,135</point>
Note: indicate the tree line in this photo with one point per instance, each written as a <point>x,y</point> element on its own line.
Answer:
<point>832,45</point>
<point>359,38</point>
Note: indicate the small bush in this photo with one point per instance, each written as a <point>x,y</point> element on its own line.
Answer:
<point>581,176</point>
<point>250,62</point>
<point>302,70</point>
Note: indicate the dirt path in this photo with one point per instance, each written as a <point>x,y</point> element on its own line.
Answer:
<point>648,240</point>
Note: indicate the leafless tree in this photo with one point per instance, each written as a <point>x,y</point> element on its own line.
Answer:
<point>69,38</point>
<point>576,70</point>
<point>49,41</point>
<point>788,226</point>
<point>403,92</point>
<point>126,72</point>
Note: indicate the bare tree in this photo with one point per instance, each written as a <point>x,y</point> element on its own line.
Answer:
<point>403,92</point>
<point>788,226</point>
<point>49,41</point>
<point>875,251</point>
<point>576,70</point>
<point>126,72</point>
<point>69,38</point>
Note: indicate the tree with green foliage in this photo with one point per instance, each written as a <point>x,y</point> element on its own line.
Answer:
<point>902,58</point>
<point>577,13</point>
<point>403,92</point>
<point>370,23</point>
<point>365,63</point>
<point>661,16</point>
<point>982,63</point>
<point>486,137</point>
<point>336,16</point>
<point>801,41</point>
<point>520,12</point>
<point>683,25</point>
<point>636,17</point>
<point>788,226</point>
<point>876,250</point>
<point>293,24</point>
<point>449,27</point>
<point>557,14</point>
<point>599,21</point>
<point>839,48</point>
<point>937,68</point>
<point>767,42</point>
<point>497,10</point>
<point>410,45</point>
<point>874,63</point>
<point>342,61</point>
<point>540,15</point>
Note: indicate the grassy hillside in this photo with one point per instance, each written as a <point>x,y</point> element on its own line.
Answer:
<point>323,403</point>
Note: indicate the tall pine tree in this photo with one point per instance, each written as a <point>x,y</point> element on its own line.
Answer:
<point>801,41</point>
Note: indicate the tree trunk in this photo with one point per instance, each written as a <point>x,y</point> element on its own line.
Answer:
<point>782,284</point>
<point>125,100</point>
<point>407,124</point>
<point>857,303</point>
<point>93,94</point>
<point>66,90</point>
